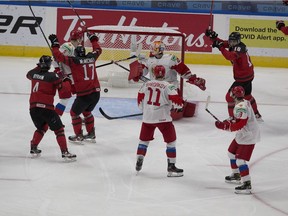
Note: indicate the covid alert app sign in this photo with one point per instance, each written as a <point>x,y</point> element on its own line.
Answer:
<point>192,25</point>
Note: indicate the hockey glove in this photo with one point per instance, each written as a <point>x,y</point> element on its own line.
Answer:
<point>223,125</point>
<point>199,82</point>
<point>280,24</point>
<point>92,36</point>
<point>211,34</point>
<point>217,44</point>
<point>54,40</point>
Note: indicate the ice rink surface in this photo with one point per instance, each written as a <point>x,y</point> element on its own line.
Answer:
<point>103,180</point>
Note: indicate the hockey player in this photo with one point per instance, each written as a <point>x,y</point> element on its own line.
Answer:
<point>86,83</point>
<point>247,135</point>
<point>280,25</point>
<point>63,70</point>
<point>156,98</point>
<point>43,89</point>
<point>243,70</point>
<point>172,64</point>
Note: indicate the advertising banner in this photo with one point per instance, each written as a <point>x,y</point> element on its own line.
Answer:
<point>192,25</point>
<point>259,33</point>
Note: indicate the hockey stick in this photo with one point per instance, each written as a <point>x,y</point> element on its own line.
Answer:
<point>138,51</point>
<point>211,10</point>
<point>206,108</point>
<point>39,26</point>
<point>112,61</point>
<point>83,23</point>
<point>117,117</point>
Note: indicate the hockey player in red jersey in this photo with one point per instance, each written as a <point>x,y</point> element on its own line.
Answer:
<point>86,84</point>
<point>243,70</point>
<point>43,89</point>
<point>280,25</point>
<point>247,135</point>
<point>156,98</point>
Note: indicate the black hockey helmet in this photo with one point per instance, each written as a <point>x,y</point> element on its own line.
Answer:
<point>80,51</point>
<point>45,62</point>
<point>234,39</point>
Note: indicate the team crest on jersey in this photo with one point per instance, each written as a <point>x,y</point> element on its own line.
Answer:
<point>172,87</point>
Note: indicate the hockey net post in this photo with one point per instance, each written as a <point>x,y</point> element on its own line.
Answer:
<point>118,42</point>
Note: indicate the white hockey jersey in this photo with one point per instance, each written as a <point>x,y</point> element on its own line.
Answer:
<point>250,133</point>
<point>156,99</point>
<point>168,61</point>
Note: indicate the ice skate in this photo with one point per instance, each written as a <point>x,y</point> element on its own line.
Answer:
<point>259,118</point>
<point>35,152</point>
<point>234,178</point>
<point>245,188</point>
<point>173,171</point>
<point>77,139</point>
<point>139,163</point>
<point>67,156</point>
<point>90,137</point>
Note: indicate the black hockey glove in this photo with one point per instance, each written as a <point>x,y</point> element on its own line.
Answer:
<point>54,40</point>
<point>217,44</point>
<point>280,24</point>
<point>92,36</point>
<point>211,34</point>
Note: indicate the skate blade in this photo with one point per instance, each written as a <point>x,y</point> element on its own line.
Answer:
<point>33,156</point>
<point>77,142</point>
<point>68,160</point>
<point>172,174</point>
<point>244,192</point>
<point>90,140</point>
<point>233,182</point>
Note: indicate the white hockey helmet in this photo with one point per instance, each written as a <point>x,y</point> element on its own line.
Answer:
<point>157,48</point>
<point>67,49</point>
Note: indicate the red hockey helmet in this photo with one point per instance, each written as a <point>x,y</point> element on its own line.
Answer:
<point>237,92</point>
<point>159,71</point>
<point>76,34</point>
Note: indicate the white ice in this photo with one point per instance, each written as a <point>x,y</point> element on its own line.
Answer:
<point>103,180</point>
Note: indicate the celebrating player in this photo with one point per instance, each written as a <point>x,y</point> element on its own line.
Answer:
<point>247,134</point>
<point>243,70</point>
<point>86,83</point>
<point>156,98</point>
<point>280,25</point>
<point>43,89</point>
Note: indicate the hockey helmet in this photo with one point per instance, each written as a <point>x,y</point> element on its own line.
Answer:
<point>237,92</point>
<point>285,2</point>
<point>80,51</point>
<point>45,62</point>
<point>234,39</point>
<point>159,71</point>
<point>76,35</point>
<point>67,49</point>
<point>157,48</point>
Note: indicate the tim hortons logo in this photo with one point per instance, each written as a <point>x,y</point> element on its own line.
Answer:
<point>125,39</point>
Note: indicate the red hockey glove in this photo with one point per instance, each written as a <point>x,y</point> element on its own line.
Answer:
<point>223,125</point>
<point>200,82</point>
<point>280,24</point>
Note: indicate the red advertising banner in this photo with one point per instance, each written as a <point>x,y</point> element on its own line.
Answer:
<point>192,25</point>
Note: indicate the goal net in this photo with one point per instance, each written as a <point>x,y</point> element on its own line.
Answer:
<point>121,42</point>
